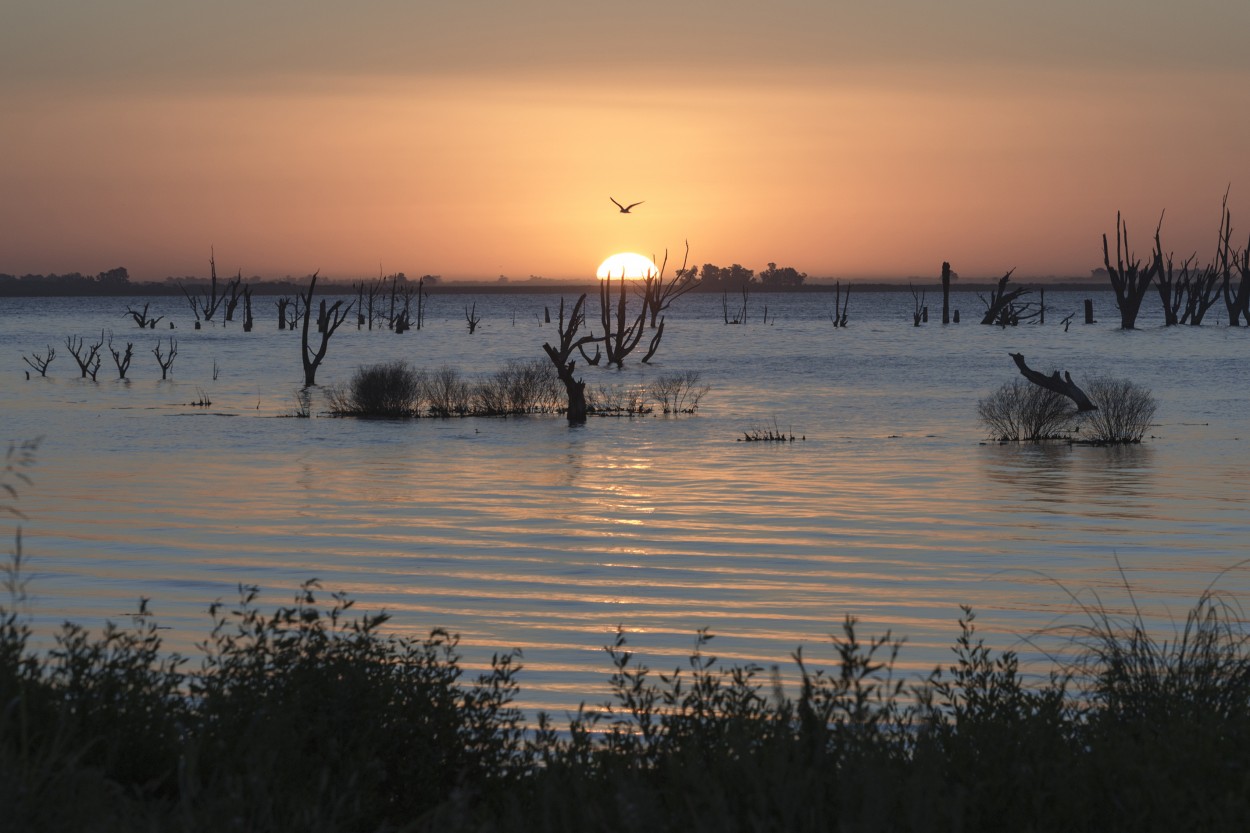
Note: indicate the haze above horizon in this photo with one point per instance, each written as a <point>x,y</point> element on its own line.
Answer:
<point>481,139</point>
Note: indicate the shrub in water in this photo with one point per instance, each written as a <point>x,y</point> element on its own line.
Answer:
<point>519,388</point>
<point>617,399</point>
<point>447,393</point>
<point>1124,411</point>
<point>678,393</point>
<point>385,390</point>
<point>1020,410</point>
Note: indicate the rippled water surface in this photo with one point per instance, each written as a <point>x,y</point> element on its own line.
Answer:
<point>524,532</point>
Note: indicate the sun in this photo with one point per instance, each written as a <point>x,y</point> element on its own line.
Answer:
<point>629,265</point>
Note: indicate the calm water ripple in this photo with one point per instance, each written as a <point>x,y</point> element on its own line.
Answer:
<point>526,533</point>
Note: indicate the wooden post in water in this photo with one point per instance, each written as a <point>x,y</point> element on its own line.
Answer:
<point>1041,305</point>
<point>1089,311</point>
<point>946,292</point>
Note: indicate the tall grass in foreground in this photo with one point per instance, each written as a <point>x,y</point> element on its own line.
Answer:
<point>315,718</point>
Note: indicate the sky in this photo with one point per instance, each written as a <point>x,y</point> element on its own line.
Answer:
<point>480,138</point>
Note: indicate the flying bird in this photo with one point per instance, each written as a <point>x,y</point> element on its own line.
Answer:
<point>625,208</point>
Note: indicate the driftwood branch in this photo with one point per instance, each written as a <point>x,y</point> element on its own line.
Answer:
<point>561,357</point>
<point>1063,386</point>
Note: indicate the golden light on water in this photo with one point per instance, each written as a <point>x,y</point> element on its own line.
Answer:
<point>629,265</point>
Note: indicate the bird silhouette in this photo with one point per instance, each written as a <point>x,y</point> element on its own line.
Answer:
<point>625,208</point>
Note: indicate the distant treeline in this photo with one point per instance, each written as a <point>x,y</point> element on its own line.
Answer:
<point>711,278</point>
<point>117,282</point>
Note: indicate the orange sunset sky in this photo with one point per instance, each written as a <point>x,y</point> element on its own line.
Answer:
<point>478,138</point>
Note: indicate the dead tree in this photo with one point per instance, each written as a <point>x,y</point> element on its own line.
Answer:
<point>39,362</point>
<point>406,294</point>
<point>946,292</point>
<point>206,304</point>
<point>840,304</point>
<point>333,317</point>
<point>366,298</point>
<point>282,304</point>
<point>620,335</point>
<point>87,355</point>
<point>658,294</point>
<point>247,309</point>
<point>232,301</point>
<point>1064,386</point>
<point>1172,288</point>
<point>1129,281</point>
<point>141,317</point>
<point>741,316</point>
<point>471,316</point>
<point>561,357</point>
<point>921,311</point>
<point>166,360</point>
<point>1238,302</point>
<point>1202,290</point>
<point>404,318</point>
<point>420,302</point>
<point>1004,307</point>
<point>121,359</point>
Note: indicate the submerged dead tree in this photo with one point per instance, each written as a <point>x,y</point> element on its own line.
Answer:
<point>331,319</point>
<point>141,317</point>
<point>205,304</point>
<point>234,287</point>
<point>1053,382</point>
<point>561,357</point>
<point>86,355</point>
<point>166,360</point>
<point>1188,294</point>
<point>921,312</point>
<point>659,294</point>
<point>40,362</point>
<point>840,304</point>
<point>946,292</point>
<point>1128,279</point>
<point>1004,306</point>
<point>121,358</point>
<point>620,335</point>
<point>1236,300</point>
<point>282,304</point>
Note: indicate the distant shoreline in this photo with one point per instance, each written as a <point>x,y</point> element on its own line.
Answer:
<point>33,289</point>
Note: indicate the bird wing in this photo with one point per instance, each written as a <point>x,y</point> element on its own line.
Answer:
<point>632,204</point>
<point>617,204</point>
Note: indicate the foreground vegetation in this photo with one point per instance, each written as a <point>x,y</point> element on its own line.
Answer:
<point>1121,413</point>
<point>315,718</point>
<point>397,390</point>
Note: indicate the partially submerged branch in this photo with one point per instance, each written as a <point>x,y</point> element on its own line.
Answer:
<point>1053,382</point>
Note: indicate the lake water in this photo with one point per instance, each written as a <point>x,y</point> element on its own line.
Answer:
<point>525,532</point>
